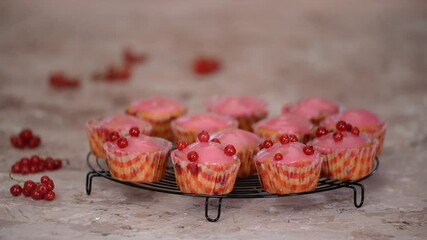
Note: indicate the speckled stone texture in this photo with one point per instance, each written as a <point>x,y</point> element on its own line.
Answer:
<point>362,54</point>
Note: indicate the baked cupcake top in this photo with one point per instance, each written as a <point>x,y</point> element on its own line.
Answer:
<point>239,138</point>
<point>139,144</point>
<point>157,105</point>
<point>120,123</point>
<point>287,153</point>
<point>210,122</point>
<point>286,124</point>
<point>312,107</point>
<point>356,117</point>
<point>205,152</point>
<point>237,106</point>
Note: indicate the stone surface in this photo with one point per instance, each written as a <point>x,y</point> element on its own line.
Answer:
<point>363,54</point>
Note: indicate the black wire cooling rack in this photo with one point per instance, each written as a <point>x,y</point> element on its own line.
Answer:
<point>243,188</point>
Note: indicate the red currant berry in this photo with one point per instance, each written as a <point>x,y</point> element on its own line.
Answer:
<point>35,160</point>
<point>216,140</point>
<point>34,169</point>
<point>308,150</point>
<point>134,132</point>
<point>293,138</point>
<point>113,136</point>
<point>341,126</point>
<point>16,168</point>
<point>25,161</point>
<point>122,142</point>
<point>278,156</point>
<point>42,168</point>
<point>349,127</point>
<point>355,131</point>
<point>26,192</point>
<point>50,185</point>
<point>16,190</point>
<point>44,179</point>
<point>30,186</point>
<point>284,139</point>
<point>203,66</point>
<point>57,163</point>
<point>49,196</point>
<point>338,136</point>
<point>18,142</point>
<point>50,165</point>
<point>192,156</point>
<point>267,144</point>
<point>203,136</point>
<point>34,142</point>
<point>321,131</point>
<point>36,195</point>
<point>26,135</point>
<point>42,188</point>
<point>181,145</point>
<point>230,150</point>
<point>25,169</point>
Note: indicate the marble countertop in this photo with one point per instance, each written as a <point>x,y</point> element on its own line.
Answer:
<point>361,54</point>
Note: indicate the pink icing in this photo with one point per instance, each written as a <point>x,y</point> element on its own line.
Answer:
<point>312,107</point>
<point>292,152</point>
<point>139,144</point>
<point>205,121</point>
<point>122,123</point>
<point>239,138</point>
<point>286,124</point>
<point>349,140</point>
<point>357,117</point>
<point>157,105</point>
<point>210,152</point>
<point>237,106</point>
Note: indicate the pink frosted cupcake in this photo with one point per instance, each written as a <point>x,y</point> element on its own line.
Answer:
<point>365,120</point>
<point>158,111</point>
<point>98,130</point>
<point>314,109</point>
<point>288,168</point>
<point>205,167</point>
<point>138,158</point>
<point>348,154</point>
<point>290,124</point>
<point>186,128</point>
<point>246,110</point>
<point>246,144</point>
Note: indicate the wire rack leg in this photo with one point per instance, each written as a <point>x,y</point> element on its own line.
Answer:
<point>355,187</point>
<point>218,206</point>
<point>89,177</point>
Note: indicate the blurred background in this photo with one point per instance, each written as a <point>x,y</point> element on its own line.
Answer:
<point>361,54</point>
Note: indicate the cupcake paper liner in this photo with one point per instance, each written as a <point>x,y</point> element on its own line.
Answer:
<point>137,167</point>
<point>96,138</point>
<point>349,164</point>
<point>247,163</point>
<point>377,132</point>
<point>281,178</point>
<point>246,122</point>
<point>203,178</point>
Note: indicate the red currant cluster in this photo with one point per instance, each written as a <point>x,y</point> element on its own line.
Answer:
<point>341,127</point>
<point>38,191</point>
<point>205,66</point>
<point>59,80</point>
<point>35,164</point>
<point>285,139</point>
<point>124,72</point>
<point>122,142</point>
<point>25,138</point>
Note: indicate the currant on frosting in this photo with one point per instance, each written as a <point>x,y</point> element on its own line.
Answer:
<point>181,145</point>
<point>229,150</point>
<point>308,150</point>
<point>278,156</point>
<point>192,156</point>
<point>113,136</point>
<point>203,136</point>
<point>267,144</point>
<point>321,131</point>
<point>284,139</point>
<point>134,131</point>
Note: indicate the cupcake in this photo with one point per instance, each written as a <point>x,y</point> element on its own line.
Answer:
<point>366,121</point>
<point>314,109</point>
<point>290,124</point>
<point>348,154</point>
<point>205,167</point>
<point>98,130</point>
<point>246,110</point>
<point>187,127</point>
<point>136,158</point>
<point>246,144</point>
<point>288,168</point>
<point>158,111</point>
